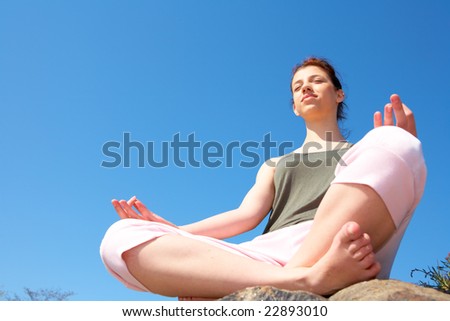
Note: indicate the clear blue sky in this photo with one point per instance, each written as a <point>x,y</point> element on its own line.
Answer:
<point>77,74</point>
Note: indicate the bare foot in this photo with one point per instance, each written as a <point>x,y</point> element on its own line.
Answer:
<point>350,259</point>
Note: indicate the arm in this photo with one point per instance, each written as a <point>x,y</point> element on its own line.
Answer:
<point>254,207</point>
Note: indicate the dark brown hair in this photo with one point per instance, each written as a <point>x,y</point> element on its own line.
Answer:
<point>329,69</point>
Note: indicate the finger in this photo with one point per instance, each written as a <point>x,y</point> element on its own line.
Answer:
<point>132,200</point>
<point>149,215</point>
<point>408,112</point>
<point>129,210</point>
<point>122,214</point>
<point>399,112</point>
<point>388,115</point>
<point>377,119</point>
<point>411,127</point>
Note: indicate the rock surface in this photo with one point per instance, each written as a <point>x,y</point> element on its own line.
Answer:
<point>388,290</point>
<point>374,290</point>
<point>268,293</point>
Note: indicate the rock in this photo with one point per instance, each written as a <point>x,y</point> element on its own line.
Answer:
<point>269,293</point>
<point>374,290</point>
<point>388,290</point>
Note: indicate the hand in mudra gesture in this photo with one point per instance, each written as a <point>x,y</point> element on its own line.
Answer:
<point>133,208</point>
<point>403,115</point>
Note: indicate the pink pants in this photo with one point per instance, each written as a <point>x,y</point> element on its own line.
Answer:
<point>388,159</point>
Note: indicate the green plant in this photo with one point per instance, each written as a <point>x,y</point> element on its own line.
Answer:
<point>439,276</point>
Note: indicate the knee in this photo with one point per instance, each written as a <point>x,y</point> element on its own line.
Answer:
<point>394,134</point>
<point>397,141</point>
<point>116,245</point>
<point>402,151</point>
<point>123,238</point>
<point>132,257</point>
<point>110,252</point>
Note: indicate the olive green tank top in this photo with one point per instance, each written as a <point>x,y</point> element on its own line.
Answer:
<point>301,181</point>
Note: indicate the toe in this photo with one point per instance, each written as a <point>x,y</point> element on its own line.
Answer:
<point>367,261</point>
<point>362,252</point>
<point>360,244</point>
<point>351,231</point>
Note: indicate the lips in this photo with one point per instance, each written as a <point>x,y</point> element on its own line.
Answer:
<point>308,96</point>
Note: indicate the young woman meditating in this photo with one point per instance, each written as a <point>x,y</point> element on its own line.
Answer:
<point>334,221</point>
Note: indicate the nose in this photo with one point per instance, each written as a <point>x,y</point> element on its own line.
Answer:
<point>306,88</point>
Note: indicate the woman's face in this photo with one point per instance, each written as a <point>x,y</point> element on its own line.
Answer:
<point>314,95</point>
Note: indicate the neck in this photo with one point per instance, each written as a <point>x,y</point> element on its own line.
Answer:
<point>322,132</point>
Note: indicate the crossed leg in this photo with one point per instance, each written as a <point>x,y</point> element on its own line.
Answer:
<point>174,265</point>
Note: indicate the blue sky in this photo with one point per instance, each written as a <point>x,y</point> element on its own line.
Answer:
<point>77,74</point>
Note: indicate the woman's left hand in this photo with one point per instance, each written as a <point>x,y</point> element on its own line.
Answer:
<point>403,115</point>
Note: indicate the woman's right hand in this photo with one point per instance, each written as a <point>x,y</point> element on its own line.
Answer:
<point>403,115</point>
<point>125,210</point>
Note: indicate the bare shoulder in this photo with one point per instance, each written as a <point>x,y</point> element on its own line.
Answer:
<point>272,162</point>
<point>267,169</point>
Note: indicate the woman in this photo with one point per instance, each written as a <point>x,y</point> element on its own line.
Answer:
<point>334,222</point>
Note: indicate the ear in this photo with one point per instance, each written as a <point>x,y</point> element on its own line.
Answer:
<point>295,110</point>
<point>340,95</point>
